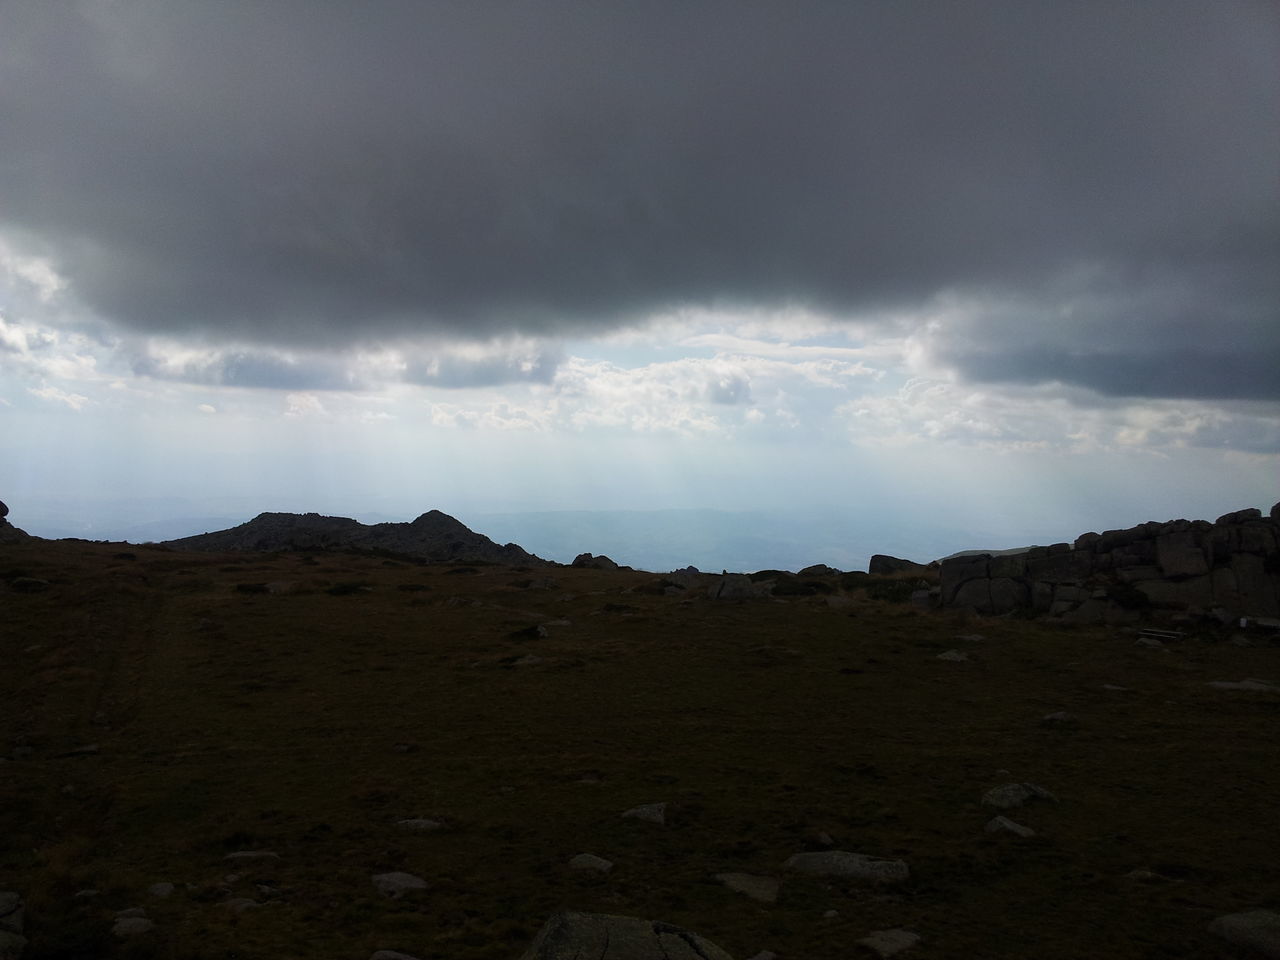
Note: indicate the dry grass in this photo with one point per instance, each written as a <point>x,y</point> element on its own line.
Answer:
<point>308,722</point>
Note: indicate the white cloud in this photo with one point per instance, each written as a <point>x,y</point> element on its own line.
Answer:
<point>303,405</point>
<point>75,401</point>
<point>207,408</point>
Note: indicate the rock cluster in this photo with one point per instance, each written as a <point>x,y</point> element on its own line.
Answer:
<point>1231,566</point>
<point>8,532</point>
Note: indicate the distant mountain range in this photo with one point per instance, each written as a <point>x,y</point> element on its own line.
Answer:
<point>432,536</point>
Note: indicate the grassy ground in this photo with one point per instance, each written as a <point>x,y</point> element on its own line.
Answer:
<point>309,721</point>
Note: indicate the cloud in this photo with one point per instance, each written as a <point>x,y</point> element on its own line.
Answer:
<point>75,401</point>
<point>339,178</point>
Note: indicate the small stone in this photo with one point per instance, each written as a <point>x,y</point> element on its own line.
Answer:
<point>528,660</point>
<point>649,812</point>
<point>249,855</point>
<point>85,894</point>
<point>953,656</point>
<point>887,943</point>
<point>132,926</point>
<point>131,912</point>
<point>854,866</point>
<point>589,861</point>
<point>1061,718</point>
<point>764,889</point>
<point>1005,825</point>
<point>396,883</point>
<point>425,826</point>
<point>830,914</point>
<point>1015,795</point>
<point>1117,688</point>
<point>1150,643</point>
<point>971,638</point>
<point>825,839</point>
<point>240,904</point>
<point>390,955</point>
<point>1259,686</point>
<point>1239,641</point>
<point>1257,930</point>
<point>268,891</point>
<point>11,912</point>
<point>161,890</point>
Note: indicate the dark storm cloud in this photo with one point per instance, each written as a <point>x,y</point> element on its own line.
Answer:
<point>325,173</point>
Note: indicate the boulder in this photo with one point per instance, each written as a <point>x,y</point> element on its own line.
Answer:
<point>1275,512</point>
<point>1007,595</point>
<point>1256,930</point>
<point>1005,825</point>
<point>1238,516</point>
<point>888,943</point>
<point>1196,592</point>
<point>567,936</point>
<point>882,565</point>
<point>820,570</point>
<point>594,563</point>
<point>590,863</point>
<point>850,866</point>
<point>11,910</point>
<point>649,812</point>
<point>738,586</point>
<point>1010,565</point>
<point>956,571</point>
<point>1256,589</point>
<point>975,594</point>
<point>1011,795</point>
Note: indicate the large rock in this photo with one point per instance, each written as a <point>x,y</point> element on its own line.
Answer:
<point>738,586</point>
<point>882,565</point>
<point>957,571</point>
<point>1256,930</point>
<point>573,936</point>
<point>594,563</point>
<point>1196,592</point>
<point>1007,595</point>
<point>975,594</point>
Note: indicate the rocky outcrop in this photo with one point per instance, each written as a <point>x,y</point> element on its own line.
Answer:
<point>433,536</point>
<point>1231,566</point>
<point>594,563</point>
<point>8,532</point>
<point>882,565</point>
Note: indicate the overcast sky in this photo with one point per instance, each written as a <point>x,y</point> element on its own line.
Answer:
<point>554,255</point>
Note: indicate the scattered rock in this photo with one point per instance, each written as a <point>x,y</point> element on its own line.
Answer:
<point>649,812</point>
<point>1259,686</point>
<point>825,838</point>
<point>853,866</point>
<point>603,937</point>
<point>240,904</point>
<point>764,889</point>
<point>396,884</point>
<point>887,943</point>
<point>1257,930</point>
<point>1116,687</point>
<point>130,913</point>
<point>589,861</point>
<point>132,926</point>
<point>1011,795</point>
<point>830,914</point>
<point>425,826</point>
<point>161,890</point>
<point>1059,719</point>
<point>528,660</point>
<point>1151,643</point>
<point>85,894</point>
<point>1005,825</point>
<point>738,586</point>
<point>954,656</point>
<point>971,637</point>
<point>390,955</point>
<point>250,855</point>
<point>11,911</point>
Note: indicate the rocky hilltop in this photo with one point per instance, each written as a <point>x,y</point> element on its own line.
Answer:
<point>1230,568</point>
<point>432,536</point>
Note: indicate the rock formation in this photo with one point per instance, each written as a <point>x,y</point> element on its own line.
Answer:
<point>1230,566</point>
<point>433,536</point>
<point>882,565</point>
<point>8,532</point>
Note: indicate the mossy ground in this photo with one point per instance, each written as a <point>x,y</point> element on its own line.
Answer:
<point>308,722</point>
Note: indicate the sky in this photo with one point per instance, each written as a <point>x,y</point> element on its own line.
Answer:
<point>1008,269</point>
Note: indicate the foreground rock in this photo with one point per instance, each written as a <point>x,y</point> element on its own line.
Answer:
<point>1256,930</point>
<point>12,942</point>
<point>764,889</point>
<point>576,936</point>
<point>396,884</point>
<point>1011,795</point>
<point>850,866</point>
<point>889,943</point>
